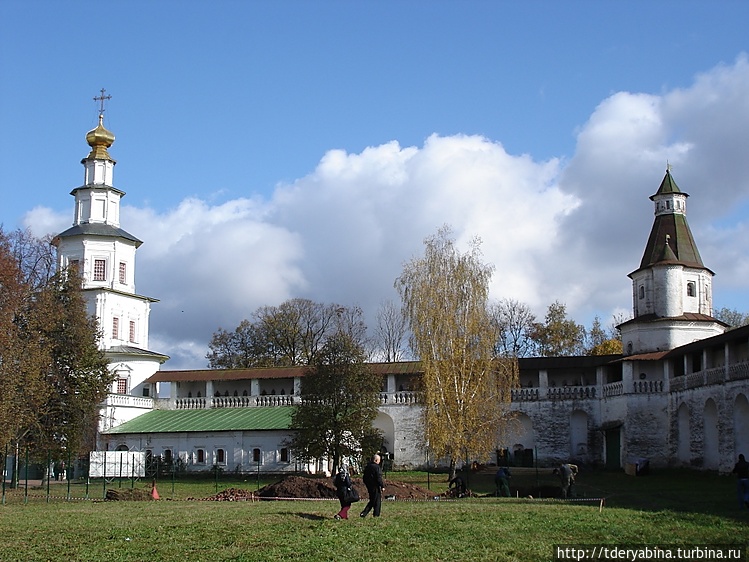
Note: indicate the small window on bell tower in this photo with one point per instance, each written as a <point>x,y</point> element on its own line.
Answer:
<point>100,270</point>
<point>691,292</point>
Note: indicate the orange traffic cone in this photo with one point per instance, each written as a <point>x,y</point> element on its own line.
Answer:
<point>154,492</point>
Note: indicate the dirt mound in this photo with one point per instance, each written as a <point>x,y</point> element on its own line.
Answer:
<point>128,494</point>
<point>300,487</point>
<point>308,487</point>
<point>230,495</point>
<point>404,491</point>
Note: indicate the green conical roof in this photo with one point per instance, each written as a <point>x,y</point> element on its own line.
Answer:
<point>668,185</point>
<point>671,239</point>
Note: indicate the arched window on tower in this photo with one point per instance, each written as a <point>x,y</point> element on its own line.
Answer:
<point>642,291</point>
<point>691,289</point>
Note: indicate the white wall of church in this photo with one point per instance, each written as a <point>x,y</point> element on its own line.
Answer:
<point>123,319</point>
<point>87,250</point>
<point>136,369</point>
<point>120,408</point>
<point>201,451</point>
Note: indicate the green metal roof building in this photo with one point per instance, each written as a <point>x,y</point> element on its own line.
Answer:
<point>215,419</point>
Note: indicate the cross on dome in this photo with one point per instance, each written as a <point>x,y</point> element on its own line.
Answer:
<point>99,138</point>
<point>102,98</point>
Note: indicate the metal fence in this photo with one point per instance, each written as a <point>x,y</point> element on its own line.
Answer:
<point>30,475</point>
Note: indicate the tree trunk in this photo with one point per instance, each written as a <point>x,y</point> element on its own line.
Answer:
<point>14,476</point>
<point>453,469</point>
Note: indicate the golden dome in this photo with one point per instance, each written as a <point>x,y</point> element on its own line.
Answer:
<point>99,139</point>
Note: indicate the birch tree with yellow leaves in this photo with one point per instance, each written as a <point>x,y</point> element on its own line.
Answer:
<point>466,389</point>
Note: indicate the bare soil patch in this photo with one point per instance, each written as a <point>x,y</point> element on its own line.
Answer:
<point>128,494</point>
<point>230,495</point>
<point>296,487</point>
<point>300,487</point>
<point>319,488</point>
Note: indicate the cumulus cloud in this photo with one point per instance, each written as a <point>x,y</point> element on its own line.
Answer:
<point>43,220</point>
<point>620,158</point>
<point>567,229</point>
<point>342,233</point>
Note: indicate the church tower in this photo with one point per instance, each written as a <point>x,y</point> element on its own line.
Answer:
<point>104,255</point>
<point>672,289</point>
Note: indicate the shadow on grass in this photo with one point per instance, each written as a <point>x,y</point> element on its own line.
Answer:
<point>678,490</point>
<point>308,516</point>
<point>675,490</point>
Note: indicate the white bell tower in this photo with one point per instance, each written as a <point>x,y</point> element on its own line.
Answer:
<point>104,255</point>
<point>672,289</point>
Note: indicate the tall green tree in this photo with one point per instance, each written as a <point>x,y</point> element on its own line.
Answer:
<point>286,335</point>
<point>77,375</point>
<point>23,355</point>
<point>52,374</point>
<point>558,335</point>
<point>601,341</point>
<point>242,348</point>
<point>466,394</point>
<point>295,329</point>
<point>339,402</point>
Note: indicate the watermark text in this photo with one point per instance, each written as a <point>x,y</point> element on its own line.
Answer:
<point>633,553</point>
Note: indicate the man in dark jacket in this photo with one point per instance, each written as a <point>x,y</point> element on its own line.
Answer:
<point>375,486</point>
<point>741,470</point>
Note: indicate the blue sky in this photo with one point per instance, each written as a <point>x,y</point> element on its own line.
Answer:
<point>271,150</point>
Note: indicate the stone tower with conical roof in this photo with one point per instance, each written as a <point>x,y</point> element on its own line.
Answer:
<point>104,254</point>
<point>672,289</point>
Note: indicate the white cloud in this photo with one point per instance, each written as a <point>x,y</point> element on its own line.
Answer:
<point>43,220</point>
<point>620,160</point>
<point>212,265</point>
<point>567,230</point>
<point>342,233</point>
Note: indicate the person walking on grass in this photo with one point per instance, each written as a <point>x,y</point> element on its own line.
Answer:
<point>375,486</point>
<point>741,470</point>
<point>342,482</point>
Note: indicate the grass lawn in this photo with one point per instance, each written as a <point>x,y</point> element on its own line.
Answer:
<point>663,508</point>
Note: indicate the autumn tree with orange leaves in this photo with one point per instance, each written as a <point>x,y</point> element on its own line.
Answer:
<point>466,389</point>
